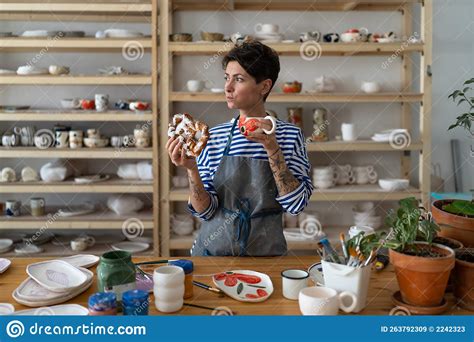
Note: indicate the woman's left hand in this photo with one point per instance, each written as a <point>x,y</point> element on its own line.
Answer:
<point>268,141</point>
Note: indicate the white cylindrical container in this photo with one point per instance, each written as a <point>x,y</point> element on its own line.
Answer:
<point>168,288</point>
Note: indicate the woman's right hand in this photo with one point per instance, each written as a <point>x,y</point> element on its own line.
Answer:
<point>178,154</point>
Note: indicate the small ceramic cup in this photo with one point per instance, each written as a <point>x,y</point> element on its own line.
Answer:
<point>62,139</point>
<point>348,132</point>
<point>197,85</point>
<point>101,102</point>
<point>116,141</point>
<point>12,208</point>
<point>293,281</point>
<point>82,243</point>
<point>168,288</point>
<point>325,301</point>
<point>37,206</point>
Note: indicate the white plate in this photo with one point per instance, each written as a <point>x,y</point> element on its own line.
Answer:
<point>32,294</point>
<point>82,260</point>
<point>239,289</point>
<point>132,247</point>
<point>91,179</point>
<point>121,33</point>
<point>4,264</point>
<point>142,239</point>
<point>28,249</point>
<point>56,310</point>
<point>76,210</point>
<point>6,309</point>
<point>56,275</point>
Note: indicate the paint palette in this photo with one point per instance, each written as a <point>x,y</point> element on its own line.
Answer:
<point>244,285</point>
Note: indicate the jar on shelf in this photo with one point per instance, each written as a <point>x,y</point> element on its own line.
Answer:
<point>116,273</point>
<point>295,116</point>
<point>320,125</point>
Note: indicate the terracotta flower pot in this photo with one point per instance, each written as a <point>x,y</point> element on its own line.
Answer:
<point>423,280</point>
<point>464,278</point>
<point>454,226</point>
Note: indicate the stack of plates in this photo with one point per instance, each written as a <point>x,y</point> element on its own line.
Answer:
<point>389,134</point>
<point>270,37</point>
<point>53,282</point>
<point>5,245</point>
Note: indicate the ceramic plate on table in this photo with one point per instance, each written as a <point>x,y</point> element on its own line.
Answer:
<point>91,179</point>
<point>56,275</point>
<point>4,264</point>
<point>5,245</point>
<point>132,247</point>
<point>6,309</point>
<point>82,260</point>
<point>77,210</point>
<point>25,249</point>
<point>56,310</point>
<point>32,294</point>
<point>244,285</point>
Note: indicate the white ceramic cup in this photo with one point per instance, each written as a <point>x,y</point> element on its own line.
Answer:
<point>348,132</point>
<point>325,301</point>
<point>266,28</point>
<point>293,281</point>
<point>197,85</point>
<point>62,139</point>
<point>370,87</point>
<point>82,243</point>
<point>168,288</point>
<point>101,102</point>
<point>37,206</point>
<point>324,184</point>
<point>12,208</point>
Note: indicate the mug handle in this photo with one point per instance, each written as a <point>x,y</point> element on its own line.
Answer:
<point>353,305</point>
<point>364,30</point>
<point>318,35</point>
<point>273,120</point>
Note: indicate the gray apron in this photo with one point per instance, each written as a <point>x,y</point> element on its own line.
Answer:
<point>248,221</point>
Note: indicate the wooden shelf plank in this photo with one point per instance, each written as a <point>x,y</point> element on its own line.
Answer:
<point>281,5</point>
<point>305,97</point>
<point>371,192</point>
<point>88,44</point>
<point>75,6</point>
<point>359,145</point>
<point>69,186</point>
<point>97,220</point>
<point>324,49</point>
<point>77,80</point>
<point>82,153</point>
<point>78,115</point>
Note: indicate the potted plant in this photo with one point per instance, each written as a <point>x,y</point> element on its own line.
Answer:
<point>456,217</point>
<point>464,278</point>
<point>421,266</point>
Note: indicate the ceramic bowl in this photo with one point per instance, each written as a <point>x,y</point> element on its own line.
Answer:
<point>370,87</point>
<point>324,184</point>
<point>181,37</point>
<point>94,142</point>
<point>31,70</point>
<point>212,36</point>
<point>71,103</point>
<point>394,184</point>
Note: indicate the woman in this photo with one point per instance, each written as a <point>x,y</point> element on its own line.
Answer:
<point>240,185</point>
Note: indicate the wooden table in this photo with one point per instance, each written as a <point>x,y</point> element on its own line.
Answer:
<point>383,284</point>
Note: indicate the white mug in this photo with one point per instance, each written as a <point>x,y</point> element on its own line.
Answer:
<point>197,85</point>
<point>62,139</point>
<point>370,87</point>
<point>37,206</point>
<point>348,132</point>
<point>82,243</point>
<point>319,301</point>
<point>168,288</point>
<point>101,102</point>
<point>12,208</point>
<point>293,281</point>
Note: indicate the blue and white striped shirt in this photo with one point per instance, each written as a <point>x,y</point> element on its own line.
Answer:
<point>292,143</point>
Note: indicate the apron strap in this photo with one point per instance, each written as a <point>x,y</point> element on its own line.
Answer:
<point>229,137</point>
<point>243,226</point>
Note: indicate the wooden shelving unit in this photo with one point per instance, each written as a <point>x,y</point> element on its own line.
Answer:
<point>139,11</point>
<point>406,97</point>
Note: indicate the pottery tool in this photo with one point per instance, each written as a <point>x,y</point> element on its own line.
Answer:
<point>207,287</point>
<point>226,312</point>
<point>154,262</point>
<point>344,248</point>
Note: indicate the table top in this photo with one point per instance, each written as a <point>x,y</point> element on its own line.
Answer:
<point>382,285</point>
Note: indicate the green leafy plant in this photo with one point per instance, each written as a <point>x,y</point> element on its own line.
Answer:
<point>365,243</point>
<point>460,207</point>
<point>409,223</point>
<point>463,96</point>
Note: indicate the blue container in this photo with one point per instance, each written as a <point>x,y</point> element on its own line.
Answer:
<point>103,303</point>
<point>135,303</point>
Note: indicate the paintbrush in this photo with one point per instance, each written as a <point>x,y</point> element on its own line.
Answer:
<point>371,257</point>
<point>207,287</point>
<point>344,248</point>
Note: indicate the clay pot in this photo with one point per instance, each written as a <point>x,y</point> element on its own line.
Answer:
<point>448,242</point>
<point>423,280</point>
<point>463,275</point>
<point>453,226</point>
<point>292,87</point>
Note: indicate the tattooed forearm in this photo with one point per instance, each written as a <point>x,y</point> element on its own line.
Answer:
<point>199,198</point>
<point>284,179</point>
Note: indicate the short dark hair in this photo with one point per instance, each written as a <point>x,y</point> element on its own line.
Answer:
<point>259,61</point>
